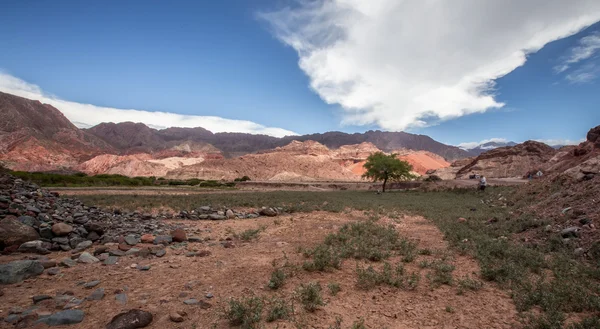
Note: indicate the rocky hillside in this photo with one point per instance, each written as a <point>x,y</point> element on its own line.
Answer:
<point>36,136</point>
<point>577,162</point>
<point>297,161</point>
<point>509,162</point>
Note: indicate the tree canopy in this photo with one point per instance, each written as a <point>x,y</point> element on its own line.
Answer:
<point>382,167</point>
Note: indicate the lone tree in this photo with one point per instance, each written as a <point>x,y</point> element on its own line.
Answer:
<point>382,167</point>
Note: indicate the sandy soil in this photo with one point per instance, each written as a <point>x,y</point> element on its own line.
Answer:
<point>245,270</point>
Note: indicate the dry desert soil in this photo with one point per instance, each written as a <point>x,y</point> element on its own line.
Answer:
<point>244,268</point>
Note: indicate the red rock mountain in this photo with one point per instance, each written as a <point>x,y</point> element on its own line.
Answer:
<point>38,137</point>
<point>509,161</point>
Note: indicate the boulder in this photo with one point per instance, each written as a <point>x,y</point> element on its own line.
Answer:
<point>87,258</point>
<point>36,247</point>
<point>63,318</point>
<point>163,239</point>
<point>61,229</point>
<point>268,212</point>
<point>147,238</point>
<point>29,221</point>
<point>13,232</point>
<point>178,235</point>
<point>131,319</point>
<point>570,232</point>
<point>19,270</point>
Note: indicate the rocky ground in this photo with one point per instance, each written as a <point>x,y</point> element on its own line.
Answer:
<point>89,268</point>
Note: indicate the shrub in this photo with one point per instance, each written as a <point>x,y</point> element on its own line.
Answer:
<point>245,312</point>
<point>278,309</point>
<point>277,279</point>
<point>441,274</point>
<point>369,278</point>
<point>468,284</point>
<point>249,234</point>
<point>310,296</point>
<point>334,288</point>
<point>360,324</point>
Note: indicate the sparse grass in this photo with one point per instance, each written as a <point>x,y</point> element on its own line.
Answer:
<point>278,309</point>
<point>426,252</point>
<point>537,275</point>
<point>310,296</point>
<point>441,274</point>
<point>360,324</point>
<point>249,234</point>
<point>245,312</point>
<point>334,288</point>
<point>337,324</point>
<point>277,279</point>
<point>468,284</point>
<point>368,278</point>
<point>360,240</point>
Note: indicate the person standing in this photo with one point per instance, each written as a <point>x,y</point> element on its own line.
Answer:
<point>482,183</point>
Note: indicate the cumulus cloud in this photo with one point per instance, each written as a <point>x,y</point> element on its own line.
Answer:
<point>472,145</point>
<point>411,63</point>
<point>86,115</point>
<point>586,48</point>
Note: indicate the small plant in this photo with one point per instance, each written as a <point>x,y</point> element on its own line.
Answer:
<point>449,309</point>
<point>425,264</point>
<point>310,296</point>
<point>442,273</point>
<point>278,309</point>
<point>249,234</point>
<point>277,279</point>
<point>334,288</point>
<point>337,324</point>
<point>360,324</point>
<point>468,284</point>
<point>426,252</point>
<point>323,258</point>
<point>413,281</point>
<point>369,278</point>
<point>245,312</point>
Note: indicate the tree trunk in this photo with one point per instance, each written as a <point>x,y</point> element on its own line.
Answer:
<point>384,181</point>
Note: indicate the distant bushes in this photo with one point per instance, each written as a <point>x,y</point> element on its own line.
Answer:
<point>81,179</point>
<point>243,179</point>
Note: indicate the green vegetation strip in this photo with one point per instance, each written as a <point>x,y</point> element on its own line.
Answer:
<point>103,180</point>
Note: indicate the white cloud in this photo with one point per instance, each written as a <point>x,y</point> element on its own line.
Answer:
<point>584,74</point>
<point>586,48</point>
<point>472,145</point>
<point>85,115</point>
<point>409,63</point>
<point>560,142</point>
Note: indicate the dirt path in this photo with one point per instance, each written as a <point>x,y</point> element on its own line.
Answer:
<point>245,270</point>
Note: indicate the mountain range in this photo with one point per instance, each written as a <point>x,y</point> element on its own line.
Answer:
<point>38,137</point>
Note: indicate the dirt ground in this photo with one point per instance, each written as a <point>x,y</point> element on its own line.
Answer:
<point>245,270</point>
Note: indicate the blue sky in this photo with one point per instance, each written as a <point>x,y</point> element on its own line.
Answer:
<point>239,60</point>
